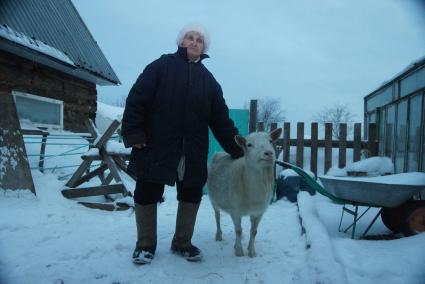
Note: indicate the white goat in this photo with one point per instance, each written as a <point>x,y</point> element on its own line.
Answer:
<point>244,186</point>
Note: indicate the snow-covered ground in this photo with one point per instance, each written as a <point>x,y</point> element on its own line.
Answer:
<point>50,239</point>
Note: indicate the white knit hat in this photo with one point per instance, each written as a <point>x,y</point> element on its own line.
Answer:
<point>194,28</point>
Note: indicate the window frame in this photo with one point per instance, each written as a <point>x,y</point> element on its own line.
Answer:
<point>42,99</point>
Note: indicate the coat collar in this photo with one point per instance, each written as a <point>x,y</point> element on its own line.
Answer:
<point>182,52</point>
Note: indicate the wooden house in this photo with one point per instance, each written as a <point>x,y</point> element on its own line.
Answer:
<point>50,63</point>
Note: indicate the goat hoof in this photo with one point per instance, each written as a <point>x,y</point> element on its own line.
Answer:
<point>218,238</point>
<point>252,254</point>
<point>239,252</point>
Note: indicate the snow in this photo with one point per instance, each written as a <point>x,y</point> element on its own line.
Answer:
<point>106,114</point>
<point>374,166</point>
<point>22,39</point>
<point>412,178</point>
<point>50,239</point>
<point>114,147</point>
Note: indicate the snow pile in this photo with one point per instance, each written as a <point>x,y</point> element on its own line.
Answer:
<point>287,173</point>
<point>22,39</point>
<point>412,178</point>
<point>114,147</point>
<point>374,166</point>
<point>362,260</point>
<point>106,114</point>
<point>324,267</point>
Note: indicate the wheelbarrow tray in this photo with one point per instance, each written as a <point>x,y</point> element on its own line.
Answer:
<point>386,191</point>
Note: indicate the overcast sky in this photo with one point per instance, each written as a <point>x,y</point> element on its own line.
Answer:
<point>310,53</point>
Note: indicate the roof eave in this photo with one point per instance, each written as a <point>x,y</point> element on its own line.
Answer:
<point>416,65</point>
<point>44,59</point>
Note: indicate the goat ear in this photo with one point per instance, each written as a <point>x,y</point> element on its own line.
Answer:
<point>275,134</point>
<point>241,141</point>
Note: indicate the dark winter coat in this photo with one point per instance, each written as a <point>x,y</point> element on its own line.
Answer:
<point>170,108</point>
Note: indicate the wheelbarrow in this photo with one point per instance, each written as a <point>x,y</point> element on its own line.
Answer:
<point>398,211</point>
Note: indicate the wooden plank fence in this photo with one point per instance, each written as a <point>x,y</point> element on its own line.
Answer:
<point>369,147</point>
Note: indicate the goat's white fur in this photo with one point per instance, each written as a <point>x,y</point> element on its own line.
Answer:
<point>244,187</point>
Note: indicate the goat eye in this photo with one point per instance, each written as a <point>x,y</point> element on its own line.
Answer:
<point>249,145</point>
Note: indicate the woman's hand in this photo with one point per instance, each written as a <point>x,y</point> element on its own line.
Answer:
<point>139,146</point>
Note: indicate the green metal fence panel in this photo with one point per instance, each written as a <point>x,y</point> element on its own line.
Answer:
<point>241,119</point>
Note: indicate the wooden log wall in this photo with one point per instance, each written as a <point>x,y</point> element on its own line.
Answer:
<point>79,97</point>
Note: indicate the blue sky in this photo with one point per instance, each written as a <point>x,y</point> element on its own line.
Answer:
<point>309,53</point>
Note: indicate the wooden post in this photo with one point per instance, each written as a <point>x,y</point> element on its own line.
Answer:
<point>15,170</point>
<point>286,141</point>
<point>357,141</point>
<point>328,146</point>
<point>342,156</point>
<point>300,145</point>
<point>371,141</point>
<point>42,152</point>
<point>313,149</point>
<point>260,126</point>
<point>273,126</point>
<point>252,116</point>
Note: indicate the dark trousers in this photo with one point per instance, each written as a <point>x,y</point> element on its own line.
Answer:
<point>150,193</point>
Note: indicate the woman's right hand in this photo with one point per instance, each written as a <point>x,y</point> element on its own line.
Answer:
<point>139,146</point>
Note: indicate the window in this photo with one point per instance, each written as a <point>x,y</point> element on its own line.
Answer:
<point>381,135</point>
<point>389,131</point>
<point>401,136</point>
<point>413,144</point>
<point>40,111</point>
<point>423,135</point>
<point>413,82</point>
<point>380,99</point>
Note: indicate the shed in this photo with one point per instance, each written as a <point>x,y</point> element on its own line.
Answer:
<point>50,63</point>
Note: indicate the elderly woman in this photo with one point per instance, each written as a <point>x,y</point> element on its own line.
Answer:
<point>166,119</point>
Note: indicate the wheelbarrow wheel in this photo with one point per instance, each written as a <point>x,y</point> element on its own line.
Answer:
<point>391,217</point>
<point>413,218</point>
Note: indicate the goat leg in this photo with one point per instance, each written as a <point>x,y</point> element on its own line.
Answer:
<point>255,220</point>
<point>237,220</point>
<point>218,234</point>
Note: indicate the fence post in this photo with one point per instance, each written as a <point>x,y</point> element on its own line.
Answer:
<point>328,146</point>
<point>273,126</point>
<point>357,141</point>
<point>42,152</point>
<point>286,140</point>
<point>371,141</point>
<point>252,116</point>
<point>300,144</point>
<point>313,149</point>
<point>342,155</point>
<point>260,126</point>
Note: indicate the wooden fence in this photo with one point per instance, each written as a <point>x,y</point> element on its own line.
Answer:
<point>369,147</point>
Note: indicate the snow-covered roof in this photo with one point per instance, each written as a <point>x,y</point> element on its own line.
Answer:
<point>22,39</point>
<point>34,29</point>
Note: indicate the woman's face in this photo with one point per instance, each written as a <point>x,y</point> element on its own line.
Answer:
<point>194,43</point>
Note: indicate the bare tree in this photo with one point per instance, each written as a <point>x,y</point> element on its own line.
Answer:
<point>269,111</point>
<point>336,114</point>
